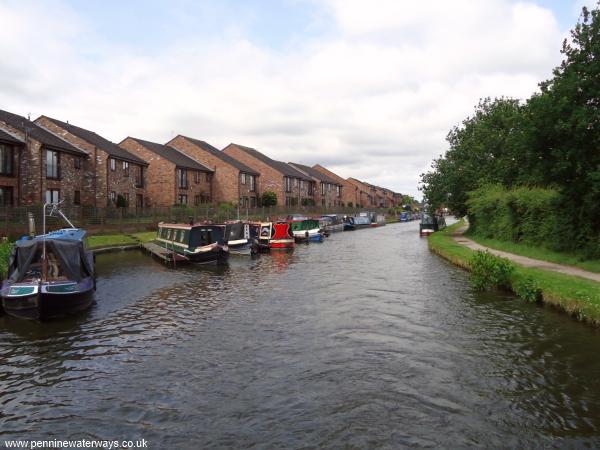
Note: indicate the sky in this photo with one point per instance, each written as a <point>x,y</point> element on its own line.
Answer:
<point>369,89</point>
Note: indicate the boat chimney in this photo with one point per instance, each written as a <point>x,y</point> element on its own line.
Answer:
<point>31,224</point>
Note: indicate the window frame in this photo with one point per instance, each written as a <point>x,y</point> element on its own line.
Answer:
<point>55,175</point>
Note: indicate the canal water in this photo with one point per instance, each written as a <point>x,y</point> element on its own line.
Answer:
<point>365,341</point>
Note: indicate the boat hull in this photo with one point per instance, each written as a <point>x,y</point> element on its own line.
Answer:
<point>215,256</point>
<point>278,244</point>
<point>45,305</point>
<point>245,249</point>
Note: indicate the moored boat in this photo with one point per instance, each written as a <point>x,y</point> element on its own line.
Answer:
<point>362,221</point>
<point>241,238</point>
<point>199,243</point>
<point>281,236</point>
<point>349,223</point>
<point>49,275</point>
<point>307,230</point>
<point>429,224</point>
<point>331,223</point>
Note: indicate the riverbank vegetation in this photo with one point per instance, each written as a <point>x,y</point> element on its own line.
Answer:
<point>118,240</point>
<point>5,249</point>
<point>576,296</point>
<point>528,172</point>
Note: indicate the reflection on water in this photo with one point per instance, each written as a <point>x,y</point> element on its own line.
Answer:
<point>366,340</point>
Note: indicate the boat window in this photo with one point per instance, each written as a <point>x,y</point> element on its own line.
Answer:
<point>186,237</point>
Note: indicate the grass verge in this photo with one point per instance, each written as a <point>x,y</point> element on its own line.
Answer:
<point>539,253</point>
<point>576,296</point>
<point>117,240</point>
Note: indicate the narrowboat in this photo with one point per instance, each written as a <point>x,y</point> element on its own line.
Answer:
<point>362,221</point>
<point>49,275</point>
<point>404,217</point>
<point>379,220</point>
<point>331,223</point>
<point>242,238</point>
<point>349,223</point>
<point>430,223</point>
<point>198,243</point>
<point>308,230</point>
<point>281,236</point>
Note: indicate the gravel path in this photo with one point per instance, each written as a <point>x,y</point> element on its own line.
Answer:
<point>525,261</point>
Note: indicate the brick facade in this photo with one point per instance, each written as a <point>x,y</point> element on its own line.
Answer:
<point>124,176</point>
<point>349,191</point>
<point>328,191</point>
<point>44,165</point>
<point>233,183</point>
<point>290,186</point>
<point>163,186</point>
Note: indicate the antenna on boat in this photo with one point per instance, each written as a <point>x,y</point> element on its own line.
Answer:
<point>56,211</point>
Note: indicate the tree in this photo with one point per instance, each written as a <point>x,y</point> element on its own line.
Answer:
<point>269,198</point>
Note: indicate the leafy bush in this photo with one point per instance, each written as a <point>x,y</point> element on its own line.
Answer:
<point>5,249</point>
<point>121,202</point>
<point>489,271</point>
<point>350,205</point>
<point>269,198</point>
<point>528,289</point>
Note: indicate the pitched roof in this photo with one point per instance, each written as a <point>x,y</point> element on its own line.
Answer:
<point>173,155</point>
<point>9,138</point>
<point>280,166</point>
<point>98,141</point>
<point>222,156</point>
<point>315,173</point>
<point>36,132</point>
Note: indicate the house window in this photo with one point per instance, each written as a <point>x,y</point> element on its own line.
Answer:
<point>126,197</point>
<point>6,196</point>
<point>338,191</point>
<point>52,159</point>
<point>139,176</point>
<point>322,188</point>
<point>322,202</point>
<point>139,201</point>
<point>243,178</point>
<point>113,164</point>
<point>113,197</point>
<point>126,168</point>
<point>295,182</point>
<point>197,177</point>
<point>6,160</point>
<point>182,182</point>
<point>182,199</point>
<point>288,184</point>
<point>196,200</point>
<point>77,163</point>
<point>208,177</point>
<point>252,202</point>
<point>301,184</point>
<point>76,198</point>
<point>252,179</point>
<point>311,188</point>
<point>52,196</point>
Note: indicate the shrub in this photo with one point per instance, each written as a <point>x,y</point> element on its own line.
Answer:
<point>489,271</point>
<point>269,198</point>
<point>121,202</point>
<point>528,289</point>
<point>5,249</point>
<point>350,205</point>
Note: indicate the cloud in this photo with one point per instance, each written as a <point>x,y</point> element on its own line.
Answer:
<point>373,97</point>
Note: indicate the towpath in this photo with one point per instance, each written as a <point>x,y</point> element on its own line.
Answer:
<point>523,260</point>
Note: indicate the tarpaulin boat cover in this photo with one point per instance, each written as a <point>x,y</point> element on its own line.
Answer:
<point>71,256</point>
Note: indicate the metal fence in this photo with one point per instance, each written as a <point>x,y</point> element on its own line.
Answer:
<point>13,220</point>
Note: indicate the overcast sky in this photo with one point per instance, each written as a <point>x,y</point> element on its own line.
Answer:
<point>369,88</point>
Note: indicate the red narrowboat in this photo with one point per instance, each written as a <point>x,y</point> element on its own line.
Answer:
<point>281,236</point>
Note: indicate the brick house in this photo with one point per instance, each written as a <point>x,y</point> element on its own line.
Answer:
<point>38,166</point>
<point>291,186</point>
<point>233,181</point>
<point>328,191</point>
<point>365,195</point>
<point>111,168</point>
<point>172,178</point>
<point>350,195</point>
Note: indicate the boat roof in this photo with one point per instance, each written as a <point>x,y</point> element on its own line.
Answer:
<point>183,226</point>
<point>69,234</point>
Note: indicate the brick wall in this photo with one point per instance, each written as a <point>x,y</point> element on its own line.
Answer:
<point>32,173</point>
<point>227,186</point>
<point>349,190</point>
<point>160,175</point>
<point>270,178</point>
<point>99,178</point>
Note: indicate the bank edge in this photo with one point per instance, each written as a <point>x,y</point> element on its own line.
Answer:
<point>575,296</point>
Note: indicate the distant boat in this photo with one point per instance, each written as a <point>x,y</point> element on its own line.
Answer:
<point>198,243</point>
<point>50,274</point>
<point>331,223</point>
<point>405,217</point>
<point>362,221</point>
<point>307,230</point>
<point>430,223</point>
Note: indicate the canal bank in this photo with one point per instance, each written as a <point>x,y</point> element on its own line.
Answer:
<point>576,296</point>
